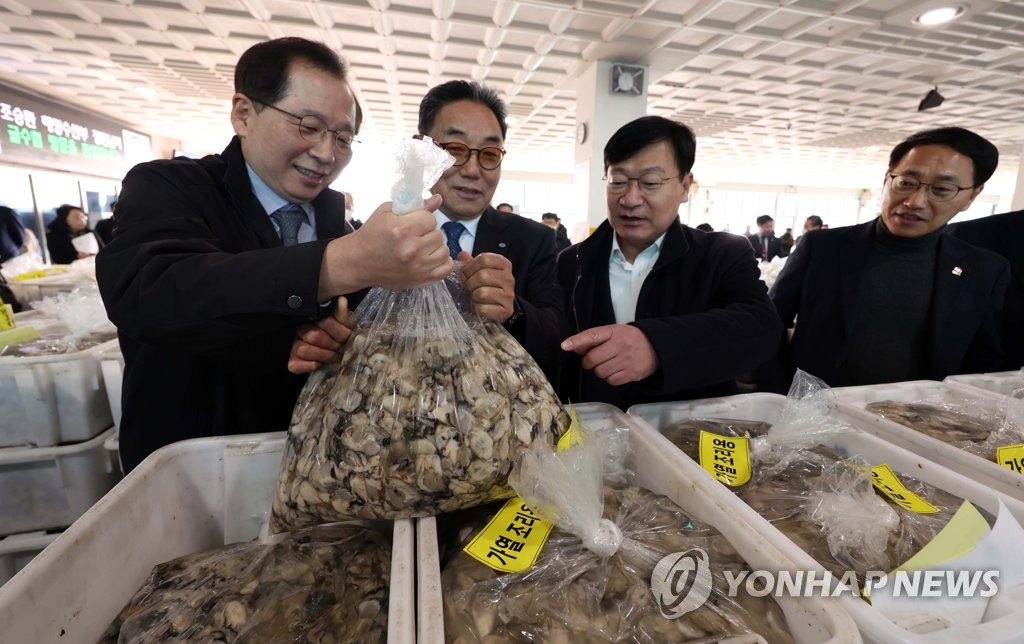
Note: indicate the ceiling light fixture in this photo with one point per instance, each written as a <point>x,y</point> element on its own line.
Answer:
<point>930,100</point>
<point>939,15</point>
<point>148,92</point>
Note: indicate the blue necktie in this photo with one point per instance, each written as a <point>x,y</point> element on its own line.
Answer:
<point>453,231</point>
<point>289,219</point>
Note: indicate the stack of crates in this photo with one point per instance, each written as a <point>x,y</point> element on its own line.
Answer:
<point>54,421</point>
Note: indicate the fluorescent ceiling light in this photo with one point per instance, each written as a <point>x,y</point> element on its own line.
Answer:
<point>939,15</point>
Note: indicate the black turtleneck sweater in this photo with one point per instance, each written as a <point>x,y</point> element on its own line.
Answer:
<point>890,331</point>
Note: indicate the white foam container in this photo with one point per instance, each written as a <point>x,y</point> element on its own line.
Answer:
<point>32,290</point>
<point>811,620</point>
<point>873,625</point>
<point>1003,383</point>
<point>184,498</point>
<point>112,368</point>
<point>17,550</point>
<point>45,488</point>
<point>852,401</point>
<point>53,399</point>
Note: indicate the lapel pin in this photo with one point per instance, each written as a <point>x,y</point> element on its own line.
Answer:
<point>958,271</point>
<point>501,244</point>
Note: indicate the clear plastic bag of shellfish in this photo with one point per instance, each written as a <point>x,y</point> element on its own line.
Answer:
<point>824,501</point>
<point>426,413</point>
<point>593,579</point>
<point>977,426</point>
<point>309,585</point>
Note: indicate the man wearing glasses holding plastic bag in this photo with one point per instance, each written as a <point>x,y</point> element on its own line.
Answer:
<point>659,311</point>
<point>218,263</point>
<point>508,261</point>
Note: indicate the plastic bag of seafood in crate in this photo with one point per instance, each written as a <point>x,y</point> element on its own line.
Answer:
<point>596,578</point>
<point>426,413</point>
<point>847,514</point>
<point>973,425</point>
<point>310,586</point>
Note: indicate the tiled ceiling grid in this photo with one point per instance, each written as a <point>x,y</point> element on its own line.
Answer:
<point>790,84</point>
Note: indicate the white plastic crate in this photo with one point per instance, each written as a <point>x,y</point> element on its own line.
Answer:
<point>811,620</point>
<point>1003,383</point>
<point>17,550</point>
<point>873,625</point>
<point>112,367</point>
<point>852,401</point>
<point>44,488</point>
<point>187,497</point>
<point>53,399</point>
<point>33,290</point>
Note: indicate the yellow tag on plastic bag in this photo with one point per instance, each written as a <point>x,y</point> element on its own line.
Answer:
<point>506,544</point>
<point>572,435</point>
<point>727,458</point>
<point>1011,457</point>
<point>31,275</point>
<point>18,336</point>
<point>6,316</point>
<point>889,484</point>
<point>512,540</point>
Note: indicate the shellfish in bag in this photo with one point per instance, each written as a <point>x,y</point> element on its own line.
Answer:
<point>427,412</point>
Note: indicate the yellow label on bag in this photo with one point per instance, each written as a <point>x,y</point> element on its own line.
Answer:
<point>512,540</point>
<point>31,275</point>
<point>6,316</point>
<point>727,458</point>
<point>1011,457</point>
<point>889,484</point>
<point>18,336</point>
<point>572,435</point>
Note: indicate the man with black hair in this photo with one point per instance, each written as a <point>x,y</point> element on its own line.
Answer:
<point>895,299</point>
<point>658,310</point>
<point>764,242</point>
<point>505,207</point>
<point>220,265</point>
<point>551,220</point>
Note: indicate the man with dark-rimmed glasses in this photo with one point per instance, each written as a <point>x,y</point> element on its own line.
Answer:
<point>896,298</point>
<point>220,265</point>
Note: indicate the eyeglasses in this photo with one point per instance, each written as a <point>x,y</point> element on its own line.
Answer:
<point>649,183</point>
<point>940,191</point>
<point>313,129</point>
<point>489,158</point>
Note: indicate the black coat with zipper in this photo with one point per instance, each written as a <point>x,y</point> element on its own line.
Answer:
<point>703,308</point>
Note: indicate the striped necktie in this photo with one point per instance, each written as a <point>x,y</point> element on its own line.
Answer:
<point>289,219</point>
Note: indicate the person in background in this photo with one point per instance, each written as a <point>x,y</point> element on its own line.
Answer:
<point>552,221</point>
<point>223,266</point>
<point>350,212</point>
<point>766,246</point>
<point>659,311</point>
<point>786,243</point>
<point>105,227</point>
<point>813,222</point>
<point>12,234</point>
<point>505,207</point>
<point>705,227</point>
<point>895,299</point>
<point>71,223</point>
<point>1003,234</point>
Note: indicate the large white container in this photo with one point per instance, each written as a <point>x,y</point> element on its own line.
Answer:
<point>187,497</point>
<point>1003,383</point>
<point>17,550</point>
<point>53,399</point>
<point>32,290</point>
<point>44,488</point>
<point>873,625</point>
<point>810,619</point>
<point>852,401</point>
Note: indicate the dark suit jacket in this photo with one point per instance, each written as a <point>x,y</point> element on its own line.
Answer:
<point>703,307</point>
<point>820,287</point>
<point>1003,234</point>
<point>206,301</point>
<point>774,247</point>
<point>12,234</point>
<point>530,246</point>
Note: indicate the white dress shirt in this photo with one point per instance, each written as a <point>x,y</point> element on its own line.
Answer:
<point>625,279</point>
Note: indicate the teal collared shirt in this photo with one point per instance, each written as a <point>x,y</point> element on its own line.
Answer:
<point>271,202</point>
<point>625,279</point>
